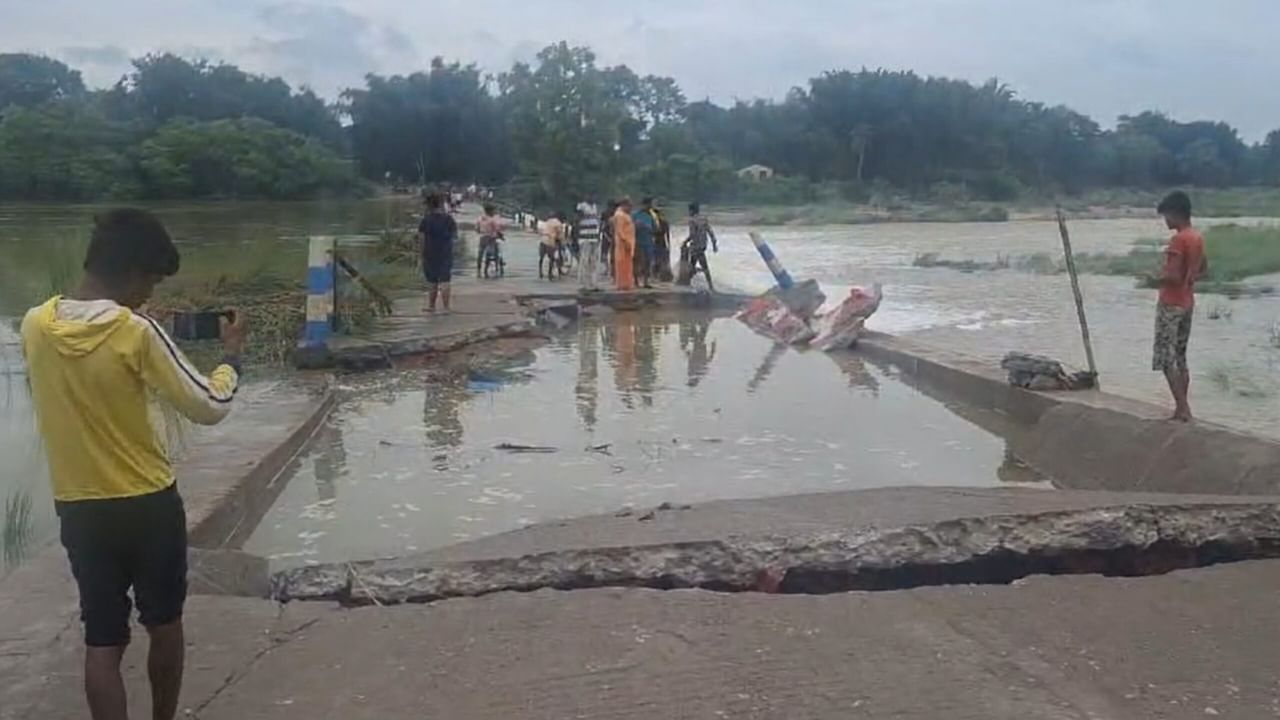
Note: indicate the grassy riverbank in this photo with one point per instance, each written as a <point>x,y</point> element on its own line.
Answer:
<point>1236,253</point>
<point>1095,204</point>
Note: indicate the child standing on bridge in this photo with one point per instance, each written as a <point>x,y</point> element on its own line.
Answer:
<point>1185,262</point>
<point>437,232</point>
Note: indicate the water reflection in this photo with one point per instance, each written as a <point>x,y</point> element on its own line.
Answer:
<point>633,410</point>
<point>697,350</point>
<point>587,390</point>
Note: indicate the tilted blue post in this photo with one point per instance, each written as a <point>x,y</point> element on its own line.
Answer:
<point>775,266</point>
<point>320,293</point>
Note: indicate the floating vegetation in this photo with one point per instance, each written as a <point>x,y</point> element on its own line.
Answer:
<point>933,260</point>
<point>17,530</point>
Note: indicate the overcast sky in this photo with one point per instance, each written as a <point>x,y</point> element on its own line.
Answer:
<point>1195,59</point>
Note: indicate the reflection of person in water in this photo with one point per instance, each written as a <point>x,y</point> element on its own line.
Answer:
<point>442,408</point>
<point>693,341</point>
<point>647,341</point>
<point>587,391</point>
<point>330,460</point>
<point>856,370</point>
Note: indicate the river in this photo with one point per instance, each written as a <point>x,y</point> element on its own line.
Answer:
<point>1233,359</point>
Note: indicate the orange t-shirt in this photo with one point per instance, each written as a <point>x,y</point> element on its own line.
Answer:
<point>1183,258</point>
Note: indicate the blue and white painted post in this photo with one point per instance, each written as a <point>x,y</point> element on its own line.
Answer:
<point>802,299</point>
<point>314,347</point>
<point>775,266</point>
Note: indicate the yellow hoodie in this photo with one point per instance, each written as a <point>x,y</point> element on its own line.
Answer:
<point>94,366</point>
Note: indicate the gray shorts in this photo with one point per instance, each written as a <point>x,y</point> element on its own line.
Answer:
<point>1173,330</point>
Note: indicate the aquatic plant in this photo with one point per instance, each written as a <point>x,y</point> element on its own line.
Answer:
<point>1219,311</point>
<point>16,530</point>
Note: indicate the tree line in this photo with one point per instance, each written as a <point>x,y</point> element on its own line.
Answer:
<point>565,126</point>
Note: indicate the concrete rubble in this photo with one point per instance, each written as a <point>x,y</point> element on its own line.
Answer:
<point>1131,539</point>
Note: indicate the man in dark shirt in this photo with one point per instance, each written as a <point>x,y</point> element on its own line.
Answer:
<point>436,233</point>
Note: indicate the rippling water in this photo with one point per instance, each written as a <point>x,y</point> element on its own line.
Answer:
<point>637,410</point>
<point>990,313</point>
<point>983,313</point>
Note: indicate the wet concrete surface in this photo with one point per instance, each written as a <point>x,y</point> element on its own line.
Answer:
<point>632,409</point>
<point>1184,646</point>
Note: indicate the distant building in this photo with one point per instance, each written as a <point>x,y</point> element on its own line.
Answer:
<point>756,172</point>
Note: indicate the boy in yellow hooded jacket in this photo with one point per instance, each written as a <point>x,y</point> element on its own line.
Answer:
<point>96,365</point>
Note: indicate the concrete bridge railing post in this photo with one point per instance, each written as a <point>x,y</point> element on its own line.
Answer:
<point>313,349</point>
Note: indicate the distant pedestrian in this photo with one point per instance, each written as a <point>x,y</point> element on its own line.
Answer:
<point>489,228</point>
<point>646,228</point>
<point>437,233</point>
<point>696,244</point>
<point>606,236</point>
<point>587,235</point>
<point>1185,262</point>
<point>551,247</point>
<point>624,246</point>
<point>660,267</point>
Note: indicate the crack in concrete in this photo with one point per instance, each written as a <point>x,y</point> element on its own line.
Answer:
<point>233,677</point>
<point>1127,541</point>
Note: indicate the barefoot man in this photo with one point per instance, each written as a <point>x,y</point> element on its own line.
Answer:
<point>1185,262</point>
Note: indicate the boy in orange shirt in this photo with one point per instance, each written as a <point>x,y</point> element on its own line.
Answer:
<point>1185,262</point>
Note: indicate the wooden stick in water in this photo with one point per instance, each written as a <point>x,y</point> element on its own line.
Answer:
<point>1075,289</point>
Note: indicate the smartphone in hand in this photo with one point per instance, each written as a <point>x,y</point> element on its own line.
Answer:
<point>201,325</point>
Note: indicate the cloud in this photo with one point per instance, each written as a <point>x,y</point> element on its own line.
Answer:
<point>1102,57</point>
<point>327,47</point>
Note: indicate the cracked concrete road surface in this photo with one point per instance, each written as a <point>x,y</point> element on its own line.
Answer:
<point>1191,644</point>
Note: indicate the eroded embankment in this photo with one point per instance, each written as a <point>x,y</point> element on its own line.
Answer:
<point>1130,540</point>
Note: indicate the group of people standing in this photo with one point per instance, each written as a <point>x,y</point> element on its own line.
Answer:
<point>635,244</point>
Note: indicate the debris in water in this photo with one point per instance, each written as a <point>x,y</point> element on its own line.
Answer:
<point>605,449</point>
<point>520,448</point>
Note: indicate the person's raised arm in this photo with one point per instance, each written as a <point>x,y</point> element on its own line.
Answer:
<point>203,400</point>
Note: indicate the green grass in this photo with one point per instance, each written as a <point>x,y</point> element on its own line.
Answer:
<point>16,532</point>
<point>1235,252</point>
<point>1236,381</point>
<point>1208,202</point>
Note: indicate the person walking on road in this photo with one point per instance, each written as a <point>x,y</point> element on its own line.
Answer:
<point>98,368</point>
<point>437,233</point>
<point>587,232</point>
<point>624,246</point>
<point>552,246</point>
<point>696,244</point>
<point>489,228</point>
<point>1185,262</point>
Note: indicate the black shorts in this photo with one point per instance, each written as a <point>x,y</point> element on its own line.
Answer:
<point>114,545</point>
<point>438,265</point>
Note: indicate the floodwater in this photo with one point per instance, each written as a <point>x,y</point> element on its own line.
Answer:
<point>634,410</point>
<point>983,313</point>
<point>1234,359</point>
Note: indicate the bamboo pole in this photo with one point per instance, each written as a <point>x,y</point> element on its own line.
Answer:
<point>1075,289</point>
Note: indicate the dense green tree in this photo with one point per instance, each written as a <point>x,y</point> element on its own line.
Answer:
<point>163,87</point>
<point>441,125</point>
<point>30,80</point>
<point>567,120</point>
<point>563,126</point>
<point>241,158</point>
<point>63,152</point>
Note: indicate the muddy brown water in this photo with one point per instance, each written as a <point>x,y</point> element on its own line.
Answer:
<point>984,313</point>
<point>631,411</point>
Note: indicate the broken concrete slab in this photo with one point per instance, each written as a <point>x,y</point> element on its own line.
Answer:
<point>1114,538</point>
<point>227,572</point>
<point>1182,646</point>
